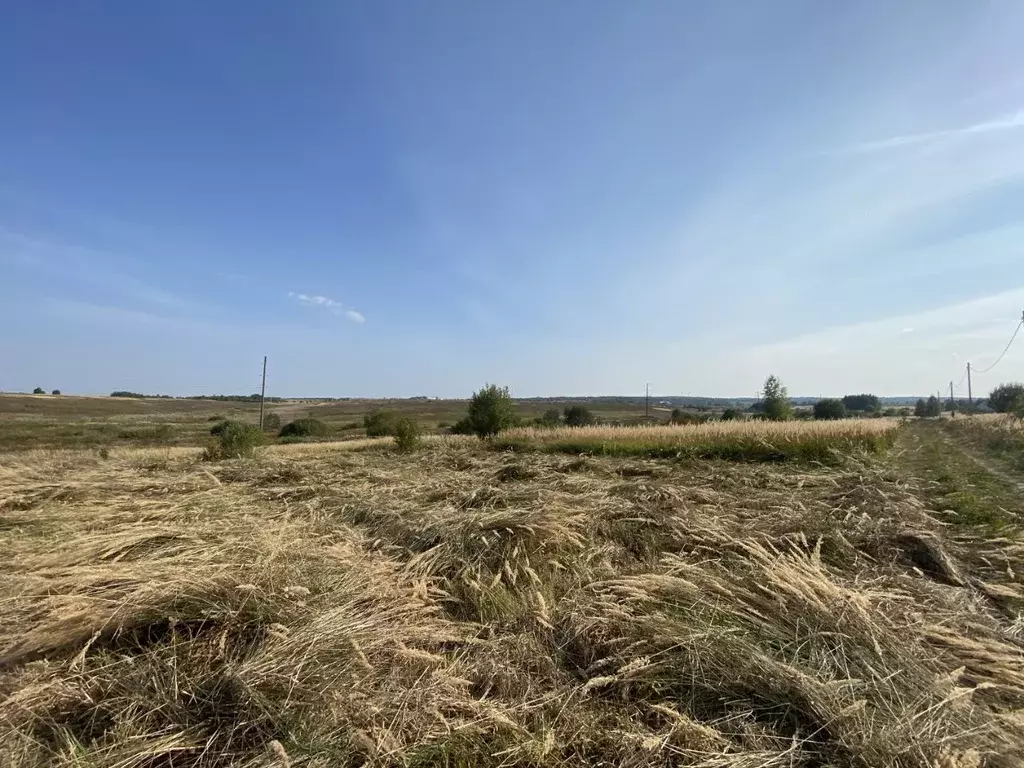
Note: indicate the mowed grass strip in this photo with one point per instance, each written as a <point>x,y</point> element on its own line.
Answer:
<point>823,441</point>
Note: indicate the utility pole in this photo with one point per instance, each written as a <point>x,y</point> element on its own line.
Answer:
<point>970,398</point>
<point>263,389</point>
<point>647,401</point>
<point>951,401</point>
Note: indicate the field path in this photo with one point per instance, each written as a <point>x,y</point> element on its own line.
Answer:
<point>990,465</point>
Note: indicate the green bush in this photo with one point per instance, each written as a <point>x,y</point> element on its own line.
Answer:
<point>862,402</point>
<point>829,408</point>
<point>235,440</point>
<point>271,422</point>
<point>551,418</point>
<point>679,416</point>
<point>461,427</point>
<point>305,428</point>
<point>55,392</point>
<point>38,391</point>
<point>218,428</point>
<point>491,410</point>
<point>578,416</point>
<point>380,423</point>
<point>731,414</point>
<point>1007,398</point>
<point>407,434</point>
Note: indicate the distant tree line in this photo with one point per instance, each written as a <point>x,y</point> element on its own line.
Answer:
<point>1007,398</point>
<point>254,398</point>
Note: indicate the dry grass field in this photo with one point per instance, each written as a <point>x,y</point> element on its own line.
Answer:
<point>744,440</point>
<point>346,605</point>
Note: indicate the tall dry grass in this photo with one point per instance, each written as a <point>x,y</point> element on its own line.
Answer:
<point>742,440</point>
<point>460,607</point>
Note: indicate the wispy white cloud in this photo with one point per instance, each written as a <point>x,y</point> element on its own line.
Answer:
<point>328,304</point>
<point>1007,122</point>
<point>317,301</point>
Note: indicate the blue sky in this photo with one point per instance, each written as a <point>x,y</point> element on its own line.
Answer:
<point>407,198</point>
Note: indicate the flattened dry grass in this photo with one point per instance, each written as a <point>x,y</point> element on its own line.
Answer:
<point>462,607</point>
<point>733,440</point>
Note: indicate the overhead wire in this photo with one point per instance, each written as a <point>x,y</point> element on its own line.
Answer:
<point>1003,353</point>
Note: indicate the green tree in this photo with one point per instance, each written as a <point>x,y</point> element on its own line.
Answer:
<point>1006,398</point>
<point>730,414</point>
<point>829,408</point>
<point>776,400</point>
<point>491,410</point>
<point>55,392</point>
<point>578,416</point>
<point>861,402</point>
<point>551,418</point>
<point>920,408</point>
<point>38,391</point>
<point>934,407</point>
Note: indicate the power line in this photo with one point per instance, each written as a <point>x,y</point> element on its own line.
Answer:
<point>959,383</point>
<point>1003,353</point>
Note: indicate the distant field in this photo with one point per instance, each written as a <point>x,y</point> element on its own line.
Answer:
<point>67,421</point>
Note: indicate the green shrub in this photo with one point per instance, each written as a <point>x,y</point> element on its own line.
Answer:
<point>271,422</point>
<point>55,392</point>
<point>490,411</point>
<point>407,434</point>
<point>380,423</point>
<point>730,414</point>
<point>862,402</point>
<point>218,429</point>
<point>551,418</point>
<point>679,416</point>
<point>578,416</point>
<point>305,428</point>
<point>461,427</point>
<point>829,408</point>
<point>38,391</point>
<point>1007,398</point>
<point>235,440</point>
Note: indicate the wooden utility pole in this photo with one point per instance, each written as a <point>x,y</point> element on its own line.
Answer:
<point>951,400</point>
<point>970,398</point>
<point>647,401</point>
<point>263,389</point>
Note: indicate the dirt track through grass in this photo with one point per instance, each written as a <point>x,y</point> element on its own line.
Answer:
<point>461,606</point>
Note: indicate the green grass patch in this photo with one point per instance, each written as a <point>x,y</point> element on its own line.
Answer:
<point>962,491</point>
